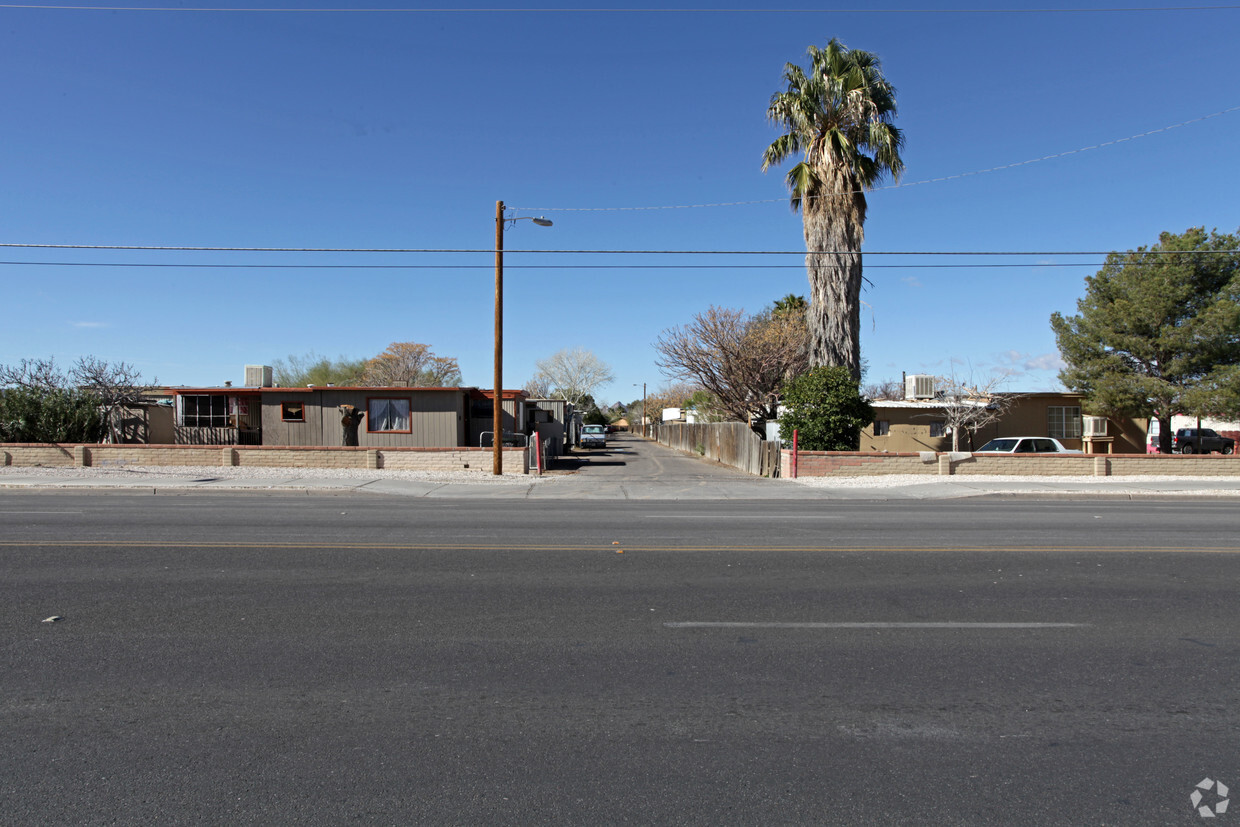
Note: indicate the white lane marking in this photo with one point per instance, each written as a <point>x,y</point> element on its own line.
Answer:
<point>713,517</point>
<point>695,624</point>
<point>24,513</point>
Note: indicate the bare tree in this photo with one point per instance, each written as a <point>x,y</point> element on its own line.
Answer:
<point>412,363</point>
<point>742,361</point>
<point>889,389</point>
<point>115,385</point>
<point>118,385</point>
<point>671,395</point>
<point>537,386</point>
<point>33,375</point>
<point>573,374</point>
<point>968,406</point>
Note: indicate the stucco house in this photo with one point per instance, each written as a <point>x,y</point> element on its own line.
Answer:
<point>921,425</point>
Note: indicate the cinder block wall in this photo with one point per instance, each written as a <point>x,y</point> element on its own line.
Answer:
<point>50,456</point>
<point>264,456</point>
<point>843,464</point>
<point>849,464</point>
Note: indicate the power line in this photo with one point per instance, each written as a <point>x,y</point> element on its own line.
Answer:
<point>906,185</point>
<point>607,10</point>
<point>166,248</point>
<point>489,267</point>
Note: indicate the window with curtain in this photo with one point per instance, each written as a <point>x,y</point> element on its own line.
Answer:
<point>388,415</point>
<point>292,412</point>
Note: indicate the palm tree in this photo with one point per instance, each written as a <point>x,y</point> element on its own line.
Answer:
<point>838,116</point>
<point>790,304</point>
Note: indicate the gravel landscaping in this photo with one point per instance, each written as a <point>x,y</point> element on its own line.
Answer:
<point>1167,484</point>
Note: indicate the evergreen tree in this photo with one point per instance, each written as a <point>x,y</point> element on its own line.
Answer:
<point>1158,331</point>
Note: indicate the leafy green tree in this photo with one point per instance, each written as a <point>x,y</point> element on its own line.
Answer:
<point>312,369</point>
<point>824,405</point>
<point>1217,395</point>
<point>595,417</point>
<point>1158,331</point>
<point>705,406</point>
<point>50,415</point>
<point>838,116</point>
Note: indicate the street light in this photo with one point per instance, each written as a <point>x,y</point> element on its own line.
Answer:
<point>497,462</point>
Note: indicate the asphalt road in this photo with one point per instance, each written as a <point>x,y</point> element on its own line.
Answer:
<point>633,459</point>
<point>245,659</point>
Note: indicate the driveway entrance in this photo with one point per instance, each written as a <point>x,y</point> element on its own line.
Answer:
<point>629,457</point>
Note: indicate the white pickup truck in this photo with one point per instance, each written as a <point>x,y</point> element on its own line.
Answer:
<point>594,436</point>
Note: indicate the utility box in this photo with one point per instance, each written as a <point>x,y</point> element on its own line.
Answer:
<point>258,376</point>
<point>919,386</point>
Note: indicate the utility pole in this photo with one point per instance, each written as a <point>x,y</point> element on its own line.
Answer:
<point>497,460</point>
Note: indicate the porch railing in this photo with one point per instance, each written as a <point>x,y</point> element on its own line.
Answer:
<point>185,435</point>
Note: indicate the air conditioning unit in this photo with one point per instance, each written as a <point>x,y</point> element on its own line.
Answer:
<point>919,386</point>
<point>258,376</point>
<point>1094,426</point>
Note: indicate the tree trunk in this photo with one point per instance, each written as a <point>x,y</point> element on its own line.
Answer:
<point>1165,433</point>
<point>834,223</point>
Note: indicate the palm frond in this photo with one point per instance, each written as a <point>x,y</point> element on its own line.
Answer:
<point>783,148</point>
<point>803,183</point>
<point>838,113</point>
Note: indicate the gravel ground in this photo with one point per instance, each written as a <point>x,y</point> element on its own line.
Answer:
<point>1022,484</point>
<point>250,473</point>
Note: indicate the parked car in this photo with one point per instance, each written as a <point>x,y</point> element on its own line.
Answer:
<point>1201,441</point>
<point>594,436</point>
<point>1025,445</point>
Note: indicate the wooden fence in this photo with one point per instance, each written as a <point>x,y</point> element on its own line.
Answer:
<point>729,443</point>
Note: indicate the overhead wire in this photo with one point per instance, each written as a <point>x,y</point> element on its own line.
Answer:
<point>613,10</point>
<point>898,186</point>
<point>521,266</point>
<point>159,248</point>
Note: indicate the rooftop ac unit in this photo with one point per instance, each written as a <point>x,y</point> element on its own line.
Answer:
<point>1094,425</point>
<point>919,386</point>
<point>258,376</point>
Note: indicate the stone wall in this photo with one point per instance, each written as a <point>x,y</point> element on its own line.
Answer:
<point>265,456</point>
<point>850,464</point>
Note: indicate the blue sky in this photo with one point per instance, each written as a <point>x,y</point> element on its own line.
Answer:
<point>401,129</point>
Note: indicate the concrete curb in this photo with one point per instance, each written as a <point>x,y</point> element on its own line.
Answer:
<point>593,491</point>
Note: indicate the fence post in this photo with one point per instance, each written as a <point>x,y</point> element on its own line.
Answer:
<point>794,453</point>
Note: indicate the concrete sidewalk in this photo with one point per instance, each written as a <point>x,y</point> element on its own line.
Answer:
<point>574,487</point>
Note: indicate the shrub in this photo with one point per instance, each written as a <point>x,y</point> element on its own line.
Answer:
<point>50,415</point>
<point>825,406</point>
